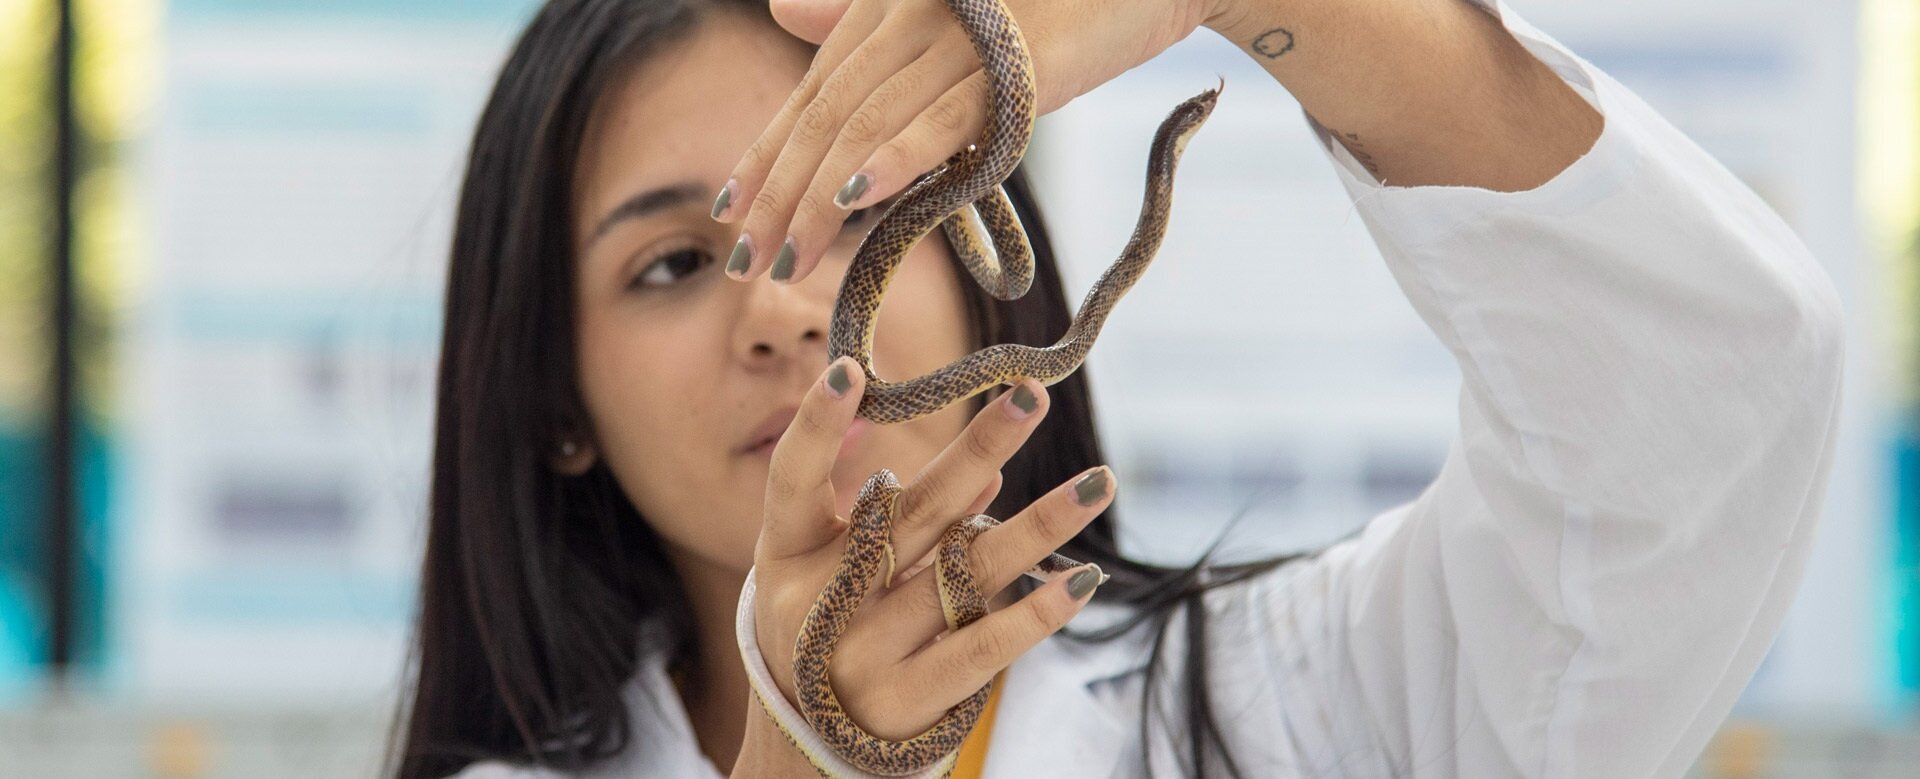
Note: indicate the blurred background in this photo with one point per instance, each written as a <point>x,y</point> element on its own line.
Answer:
<point>223,228</point>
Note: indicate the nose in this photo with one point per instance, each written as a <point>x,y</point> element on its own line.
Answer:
<point>779,325</point>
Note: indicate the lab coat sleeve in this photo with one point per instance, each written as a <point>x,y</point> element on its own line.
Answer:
<point>1650,368</point>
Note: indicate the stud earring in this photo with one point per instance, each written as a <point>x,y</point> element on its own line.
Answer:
<point>568,448</point>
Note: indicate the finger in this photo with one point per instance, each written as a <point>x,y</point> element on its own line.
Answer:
<point>889,109</point>
<point>751,170</point>
<point>809,20</point>
<point>967,659</point>
<point>1016,545</point>
<point>780,197</point>
<point>800,514</point>
<point>948,484</point>
<point>999,555</point>
<point>947,126</point>
<point>979,505</point>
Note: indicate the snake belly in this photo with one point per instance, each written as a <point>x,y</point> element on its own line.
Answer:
<point>964,199</point>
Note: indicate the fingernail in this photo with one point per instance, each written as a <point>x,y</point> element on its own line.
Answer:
<point>1021,402</point>
<point>742,257</point>
<point>837,380</point>
<point>783,262</point>
<point>1092,487</point>
<point>1084,580</point>
<point>723,200</point>
<point>855,187</point>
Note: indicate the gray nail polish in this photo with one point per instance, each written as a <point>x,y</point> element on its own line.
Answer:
<point>1024,399</point>
<point>783,262</point>
<point>742,257</point>
<point>855,187</point>
<point>838,380</point>
<point>1091,488</point>
<point>724,199</point>
<point>1084,580</point>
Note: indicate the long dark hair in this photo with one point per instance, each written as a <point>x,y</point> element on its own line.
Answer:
<point>535,586</point>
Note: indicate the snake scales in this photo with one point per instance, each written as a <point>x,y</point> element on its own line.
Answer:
<point>965,199</point>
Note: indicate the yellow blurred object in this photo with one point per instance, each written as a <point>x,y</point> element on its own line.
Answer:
<point>1739,752</point>
<point>178,751</point>
<point>973,752</point>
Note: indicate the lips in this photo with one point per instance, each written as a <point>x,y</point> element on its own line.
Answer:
<point>768,432</point>
<point>855,432</point>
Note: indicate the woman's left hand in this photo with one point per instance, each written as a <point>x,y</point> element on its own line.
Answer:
<point>895,90</point>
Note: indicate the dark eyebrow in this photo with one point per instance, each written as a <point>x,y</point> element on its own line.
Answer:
<point>647,203</point>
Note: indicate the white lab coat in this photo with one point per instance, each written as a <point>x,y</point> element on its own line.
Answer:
<point>1651,366</point>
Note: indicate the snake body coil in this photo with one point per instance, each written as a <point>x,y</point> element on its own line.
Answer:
<point>964,198</point>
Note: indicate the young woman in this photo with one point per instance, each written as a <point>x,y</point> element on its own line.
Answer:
<point>635,410</point>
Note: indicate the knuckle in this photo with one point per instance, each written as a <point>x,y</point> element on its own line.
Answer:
<point>781,488</point>
<point>985,564</point>
<point>896,155</point>
<point>810,424</point>
<point>1036,36</point>
<point>1052,521</point>
<point>809,83</point>
<point>915,505</point>
<point>753,159</point>
<point>984,653</point>
<point>769,200</point>
<point>978,91</point>
<point>808,211</point>
<point>865,125</point>
<point>948,115</point>
<point>906,82</point>
<point>926,598</point>
<point>981,446</point>
<point>815,123</point>
<point>1049,615</point>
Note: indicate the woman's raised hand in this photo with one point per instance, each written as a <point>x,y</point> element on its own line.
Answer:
<point>894,91</point>
<point>890,674</point>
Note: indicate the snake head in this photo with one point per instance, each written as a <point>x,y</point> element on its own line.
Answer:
<point>1185,120</point>
<point>1197,108</point>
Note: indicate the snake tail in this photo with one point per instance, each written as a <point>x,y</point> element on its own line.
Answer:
<point>873,269</point>
<point>965,199</point>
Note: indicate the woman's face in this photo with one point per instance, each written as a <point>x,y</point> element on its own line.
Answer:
<point>689,376</point>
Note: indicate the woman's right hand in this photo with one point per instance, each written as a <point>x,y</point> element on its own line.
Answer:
<point>891,675</point>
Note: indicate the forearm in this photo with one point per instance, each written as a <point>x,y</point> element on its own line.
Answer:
<point>765,754</point>
<point>1423,92</point>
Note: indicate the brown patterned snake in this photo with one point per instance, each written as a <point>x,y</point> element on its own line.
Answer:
<point>965,199</point>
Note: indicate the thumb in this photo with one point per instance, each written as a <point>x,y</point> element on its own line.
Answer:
<point>810,20</point>
<point>800,498</point>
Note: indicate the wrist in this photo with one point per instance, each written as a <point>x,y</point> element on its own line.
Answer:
<point>764,752</point>
<point>1230,18</point>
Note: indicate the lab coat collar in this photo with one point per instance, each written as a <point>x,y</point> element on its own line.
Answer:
<point>1049,714</point>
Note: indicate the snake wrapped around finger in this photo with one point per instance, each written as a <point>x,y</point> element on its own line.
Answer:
<point>964,198</point>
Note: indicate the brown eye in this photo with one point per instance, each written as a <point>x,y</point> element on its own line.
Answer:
<point>671,268</point>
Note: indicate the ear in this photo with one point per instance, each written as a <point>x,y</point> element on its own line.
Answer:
<point>572,455</point>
